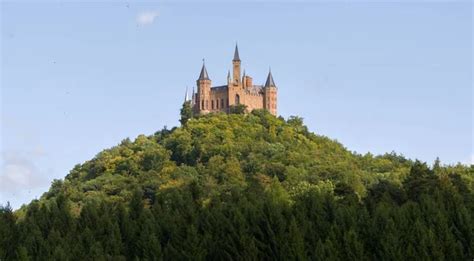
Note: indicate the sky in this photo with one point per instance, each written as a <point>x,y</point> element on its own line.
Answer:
<point>77,78</point>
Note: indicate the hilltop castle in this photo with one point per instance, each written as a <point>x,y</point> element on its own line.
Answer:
<point>238,90</point>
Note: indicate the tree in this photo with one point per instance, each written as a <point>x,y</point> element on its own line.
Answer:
<point>186,112</point>
<point>437,166</point>
<point>246,187</point>
<point>8,238</point>
<point>237,109</point>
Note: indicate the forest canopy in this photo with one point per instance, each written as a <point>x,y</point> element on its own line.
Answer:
<point>246,187</point>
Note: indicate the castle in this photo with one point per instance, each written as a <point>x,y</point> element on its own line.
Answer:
<point>238,90</point>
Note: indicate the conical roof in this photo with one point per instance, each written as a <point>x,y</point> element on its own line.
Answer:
<point>186,95</point>
<point>236,53</point>
<point>203,75</point>
<point>270,82</point>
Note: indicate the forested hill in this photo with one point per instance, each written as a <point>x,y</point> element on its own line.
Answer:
<point>246,187</point>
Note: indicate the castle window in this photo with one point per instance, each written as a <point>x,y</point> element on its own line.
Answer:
<point>222,103</point>
<point>227,102</point>
<point>237,99</point>
<point>202,104</point>
<point>217,104</point>
<point>212,104</point>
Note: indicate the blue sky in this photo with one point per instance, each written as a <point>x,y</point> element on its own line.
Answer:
<point>77,78</point>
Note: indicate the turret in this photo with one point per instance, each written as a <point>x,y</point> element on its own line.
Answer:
<point>186,98</point>
<point>204,89</point>
<point>270,89</point>
<point>236,65</point>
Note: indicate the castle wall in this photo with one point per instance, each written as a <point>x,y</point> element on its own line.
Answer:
<point>253,101</point>
<point>219,100</point>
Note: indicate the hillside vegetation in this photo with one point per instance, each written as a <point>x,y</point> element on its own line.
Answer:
<point>246,187</point>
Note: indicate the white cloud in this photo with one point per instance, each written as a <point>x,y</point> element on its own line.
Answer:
<point>19,173</point>
<point>146,18</point>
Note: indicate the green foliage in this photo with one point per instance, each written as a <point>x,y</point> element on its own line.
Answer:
<point>247,187</point>
<point>186,112</point>
<point>238,109</point>
<point>8,232</point>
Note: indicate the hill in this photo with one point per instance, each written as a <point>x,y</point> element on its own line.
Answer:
<point>251,187</point>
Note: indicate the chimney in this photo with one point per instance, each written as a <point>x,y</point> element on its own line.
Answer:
<point>248,81</point>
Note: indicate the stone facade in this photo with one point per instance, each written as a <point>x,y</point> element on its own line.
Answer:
<point>238,90</point>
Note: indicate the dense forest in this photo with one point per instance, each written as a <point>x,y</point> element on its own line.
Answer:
<point>246,187</point>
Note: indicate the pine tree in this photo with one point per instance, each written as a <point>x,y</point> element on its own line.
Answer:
<point>8,233</point>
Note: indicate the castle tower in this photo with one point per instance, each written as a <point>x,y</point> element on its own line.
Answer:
<point>239,90</point>
<point>270,90</point>
<point>236,66</point>
<point>204,90</point>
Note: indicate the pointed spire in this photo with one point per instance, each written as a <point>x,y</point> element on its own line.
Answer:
<point>270,82</point>
<point>203,75</point>
<point>236,53</point>
<point>186,98</point>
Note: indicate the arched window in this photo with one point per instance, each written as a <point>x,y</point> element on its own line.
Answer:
<point>202,104</point>
<point>212,104</point>
<point>217,103</point>
<point>237,99</point>
<point>222,103</point>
